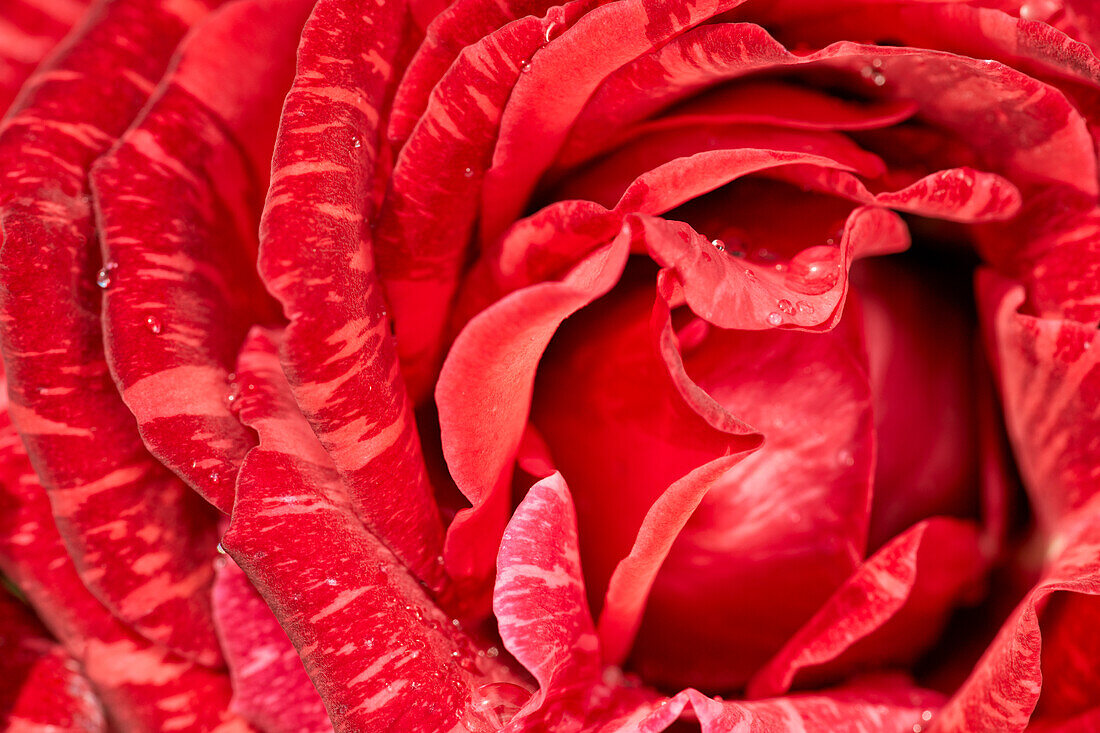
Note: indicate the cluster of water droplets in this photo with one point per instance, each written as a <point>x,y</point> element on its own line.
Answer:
<point>873,73</point>
<point>925,717</point>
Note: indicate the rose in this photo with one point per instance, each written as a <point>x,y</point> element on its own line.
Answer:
<point>527,151</point>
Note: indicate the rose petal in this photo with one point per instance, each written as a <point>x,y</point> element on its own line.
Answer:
<point>140,539</point>
<point>887,612</point>
<point>43,687</point>
<point>751,102</point>
<point>921,345</point>
<point>425,224</point>
<point>271,689</point>
<point>1050,384</point>
<point>378,650</point>
<point>547,99</point>
<point>782,529</point>
<point>1003,689</point>
<point>338,353</point>
<point>142,686</point>
<point>488,380</point>
<point>178,201</point>
<point>870,705</point>
<point>1024,128</point>
<point>31,30</point>
<point>808,294</point>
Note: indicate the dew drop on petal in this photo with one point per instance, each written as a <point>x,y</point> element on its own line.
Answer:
<point>525,66</point>
<point>750,274</point>
<point>775,319</point>
<point>356,142</point>
<point>784,306</point>
<point>549,34</point>
<point>804,307</point>
<point>105,274</point>
<point>845,458</point>
<point>214,476</point>
<point>221,550</point>
<point>926,715</point>
<point>153,324</point>
<point>718,245</point>
<point>468,172</point>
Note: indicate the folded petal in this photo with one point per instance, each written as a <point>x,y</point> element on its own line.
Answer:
<point>378,650</point>
<point>1002,691</point>
<point>271,689</point>
<point>178,201</point>
<point>1049,376</point>
<point>887,612</point>
<point>316,258</point>
<point>139,537</point>
<point>484,396</point>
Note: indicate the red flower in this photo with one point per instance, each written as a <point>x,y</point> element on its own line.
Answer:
<point>550,368</point>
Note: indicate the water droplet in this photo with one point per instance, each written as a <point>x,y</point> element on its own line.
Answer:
<point>468,172</point>
<point>878,78</point>
<point>153,324</point>
<point>926,715</point>
<point>780,266</point>
<point>456,623</point>
<point>785,306</point>
<point>194,464</point>
<point>750,274</point>
<point>331,581</point>
<point>917,728</point>
<point>356,142</point>
<point>438,559</point>
<point>775,319</point>
<point>549,34</point>
<point>866,71</point>
<point>214,476</point>
<point>845,458</point>
<point>804,307</point>
<point>830,240</point>
<point>492,652</point>
<point>233,396</point>
<point>525,66</point>
<point>718,245</point>
<point>105,274</point>
<point>221,550</point>
<point>456,654</point>
<point>877,63</point>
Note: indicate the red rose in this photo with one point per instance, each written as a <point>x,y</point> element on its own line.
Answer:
<point>550,368</point>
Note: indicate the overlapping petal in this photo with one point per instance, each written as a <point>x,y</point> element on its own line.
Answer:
<point>139,537</point>
<point>178,201</point>
<point>316,258</point>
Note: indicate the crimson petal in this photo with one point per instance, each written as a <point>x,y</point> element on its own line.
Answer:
<point>43,687</point>
<point>178,200</point>
<point>143,686</point>
<point>891,607</point>
<point>31,29</point>
<point>270,687</point>
<point>315,257</point>
<point>1049,375</point>
<point>380,653</point>
<point>488,380</point>
<point>139,538</point>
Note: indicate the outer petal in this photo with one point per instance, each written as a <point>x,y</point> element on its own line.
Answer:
<point>487,382</point>
<point>338,352</point>
<point>142,686</point>
<point>140,538</point>
<point>43,687</point>
<point>31,28</point>
<point>270,687</point>
<point>1049,374</point>
<point>179,200</point>
<point>381,654</point>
